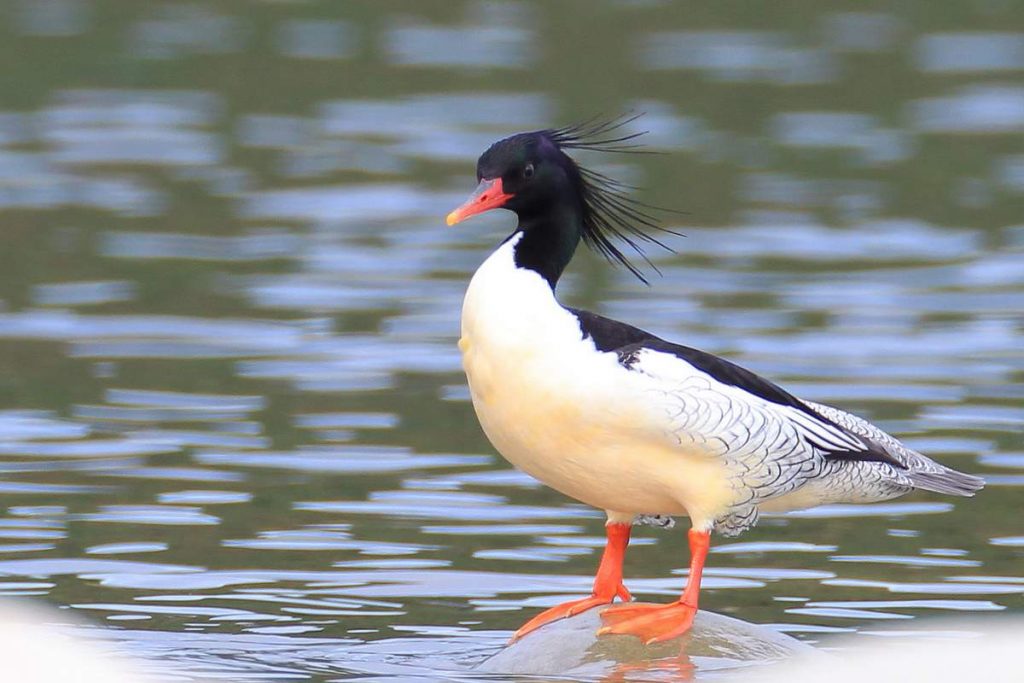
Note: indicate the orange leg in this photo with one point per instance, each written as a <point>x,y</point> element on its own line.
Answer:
<point>607,583</point>
<point>655,623</point>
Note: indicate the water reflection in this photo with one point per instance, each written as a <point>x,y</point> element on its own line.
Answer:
<point>738,56</point>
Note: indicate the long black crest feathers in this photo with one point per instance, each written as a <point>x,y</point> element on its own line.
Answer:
<point>609,213</point>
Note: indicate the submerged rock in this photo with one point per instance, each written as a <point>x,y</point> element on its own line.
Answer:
<point>571,648</point>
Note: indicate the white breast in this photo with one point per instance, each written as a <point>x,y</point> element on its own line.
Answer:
<point>565,413</point>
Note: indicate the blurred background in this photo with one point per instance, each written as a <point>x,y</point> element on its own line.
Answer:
<point>233,423</point>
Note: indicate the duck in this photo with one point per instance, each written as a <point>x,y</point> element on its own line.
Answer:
<point>622,420</point>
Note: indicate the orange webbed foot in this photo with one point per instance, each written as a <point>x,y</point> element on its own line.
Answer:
<point>607,583</point>
<point>649,623</point>
<point>566,610</point>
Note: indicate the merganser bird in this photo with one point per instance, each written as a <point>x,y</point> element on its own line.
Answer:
<point>622,420</point>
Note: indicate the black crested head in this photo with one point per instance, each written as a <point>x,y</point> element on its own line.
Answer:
<point>559,202</point>
<point>609,212</point>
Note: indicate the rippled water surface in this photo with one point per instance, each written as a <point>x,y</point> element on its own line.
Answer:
<point>233,425</point>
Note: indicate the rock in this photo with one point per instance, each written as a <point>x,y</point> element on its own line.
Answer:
<point>570,647</point>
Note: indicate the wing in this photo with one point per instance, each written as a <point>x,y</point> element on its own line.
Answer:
<point>921,471</point>
<point>776,440</point>
<point>771,448</point>
<point>733,389</point>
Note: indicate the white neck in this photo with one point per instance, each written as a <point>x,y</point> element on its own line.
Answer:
<point>508,306</point>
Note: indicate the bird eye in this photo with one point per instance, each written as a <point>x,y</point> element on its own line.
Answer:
<point>528,171</point>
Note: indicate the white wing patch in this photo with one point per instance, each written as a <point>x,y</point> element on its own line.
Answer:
<point>782,454</point>
<point>771,448</point>
<point>716,410</point>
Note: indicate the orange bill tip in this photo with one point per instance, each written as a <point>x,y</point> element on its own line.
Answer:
<point>488,195</point>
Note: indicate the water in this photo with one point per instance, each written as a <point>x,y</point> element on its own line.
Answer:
<point>234,429</point>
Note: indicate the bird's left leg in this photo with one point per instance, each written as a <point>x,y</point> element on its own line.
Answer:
<point>607,583</point>
<point>655,623</point>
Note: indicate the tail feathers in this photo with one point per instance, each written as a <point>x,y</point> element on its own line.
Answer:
<point>946,481</point>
